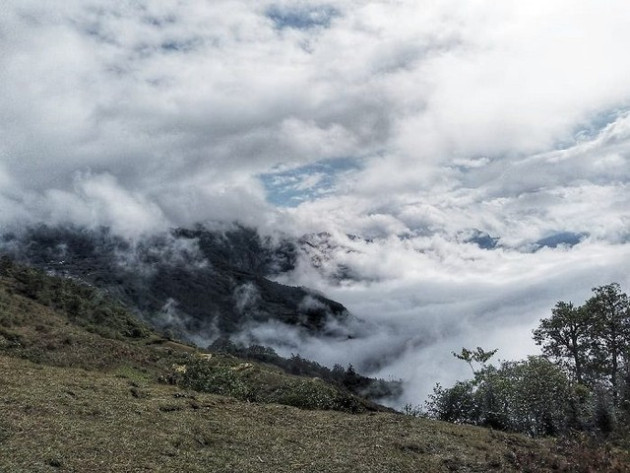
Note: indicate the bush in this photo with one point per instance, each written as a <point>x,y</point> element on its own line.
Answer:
<point>309,394</point>
<point>251,383</point>
<point>529,396</point>
<point>345,379</point>
<point>201,375</point>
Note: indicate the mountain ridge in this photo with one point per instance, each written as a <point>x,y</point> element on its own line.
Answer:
<point>217,281</point>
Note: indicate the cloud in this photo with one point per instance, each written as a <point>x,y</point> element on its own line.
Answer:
<point>424,297</point>
<point>476,134</point>
<point>155,94</point>
<point>301,16</point>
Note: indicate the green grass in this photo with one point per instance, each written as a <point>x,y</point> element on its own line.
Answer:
<point>83,395</point>
<point>137,376</point>
<point>69,419</point>
<point>33,328</point>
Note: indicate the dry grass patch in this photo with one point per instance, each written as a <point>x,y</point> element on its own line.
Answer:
<point>68,419</point>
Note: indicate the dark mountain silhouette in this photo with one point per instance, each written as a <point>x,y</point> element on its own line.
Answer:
<point>191,281</point>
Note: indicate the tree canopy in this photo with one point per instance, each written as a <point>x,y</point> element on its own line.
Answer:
<point>580,382</point>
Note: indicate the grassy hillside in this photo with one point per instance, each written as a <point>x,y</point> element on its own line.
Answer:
<point>64,323</point>
<point>86,387</point>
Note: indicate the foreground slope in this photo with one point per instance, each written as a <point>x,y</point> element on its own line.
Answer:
<point>85,387</point>
<point>70,419</point>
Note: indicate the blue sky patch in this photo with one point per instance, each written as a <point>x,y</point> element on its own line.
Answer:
<point>292,187</point>
<point>598,123</point>
<point>483,240</point>
<point>590,129</point>
<point>303,17</point>
<point>562,238</point>
<point>175,45</point>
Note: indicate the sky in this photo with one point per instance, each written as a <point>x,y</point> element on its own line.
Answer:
<point>479,149</point>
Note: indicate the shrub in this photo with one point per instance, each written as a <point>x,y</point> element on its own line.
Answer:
<point>201,375</point>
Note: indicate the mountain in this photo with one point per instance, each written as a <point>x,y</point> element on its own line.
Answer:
<point>201,286</point>
<point>320,250</point>
<point>86,386</point>
<point>194,282</point>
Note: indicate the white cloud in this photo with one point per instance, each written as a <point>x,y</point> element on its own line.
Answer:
<point>426,297</point>
<point>507,118</point>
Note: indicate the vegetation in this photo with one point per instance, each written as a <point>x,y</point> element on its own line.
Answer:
<point>70,419</point>
<point>345,378</point>
<point>580,384</point>
<point>63,322</point>
<point>186,281</point>
<point>531,396</point>
<point>86,392</point>
<point>263,384</point>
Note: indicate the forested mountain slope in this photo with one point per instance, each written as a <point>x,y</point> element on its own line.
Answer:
<point>195,282</point>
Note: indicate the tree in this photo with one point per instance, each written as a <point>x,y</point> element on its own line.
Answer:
<point>530,396</point>
<point>566,337</point>
<point>610,312</point>
<point>477,356</point>
<point>540,392</point>
<point>457,404</point>
<point>581,382</point>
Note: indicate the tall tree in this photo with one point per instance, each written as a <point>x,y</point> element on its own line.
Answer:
<point>610,311</point>
<point>566,337</point>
